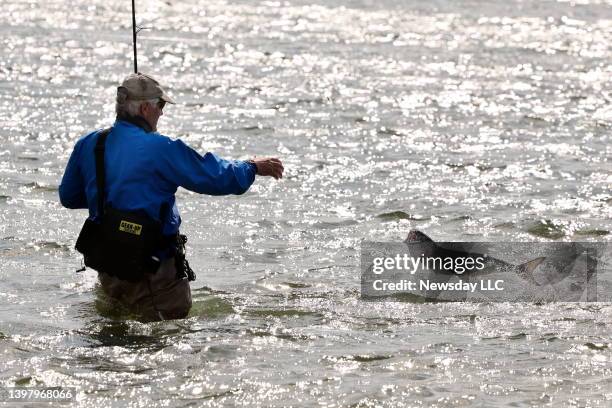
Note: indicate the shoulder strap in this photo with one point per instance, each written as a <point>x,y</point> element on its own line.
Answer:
<point>100,176</point>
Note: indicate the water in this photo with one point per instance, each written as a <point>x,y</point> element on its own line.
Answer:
<point>468,120</point>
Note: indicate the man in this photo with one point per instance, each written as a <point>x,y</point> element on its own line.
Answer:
<point>142,171</point>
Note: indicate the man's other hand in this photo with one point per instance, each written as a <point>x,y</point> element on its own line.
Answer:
<point>269,166</point>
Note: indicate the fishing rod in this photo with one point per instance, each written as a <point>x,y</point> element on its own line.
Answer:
<point>134,32</point>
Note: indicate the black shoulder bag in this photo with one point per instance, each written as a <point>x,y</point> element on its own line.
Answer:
<point>123,243</point>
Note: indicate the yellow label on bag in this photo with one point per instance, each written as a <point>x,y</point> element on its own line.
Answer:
<point>130,227</point>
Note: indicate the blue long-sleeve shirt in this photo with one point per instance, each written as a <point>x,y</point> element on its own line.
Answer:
<point>143,171</point>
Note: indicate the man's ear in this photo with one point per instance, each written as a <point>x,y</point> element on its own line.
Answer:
<point>142,109</point>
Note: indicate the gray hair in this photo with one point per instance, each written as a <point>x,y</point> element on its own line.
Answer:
<point>130,107</point>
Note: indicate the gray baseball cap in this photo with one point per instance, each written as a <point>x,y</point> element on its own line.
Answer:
<point>139,87</point>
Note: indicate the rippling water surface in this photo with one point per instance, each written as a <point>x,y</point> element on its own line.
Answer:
<point>465,119</point>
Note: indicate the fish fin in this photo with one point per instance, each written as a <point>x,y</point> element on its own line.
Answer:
<point>417,236</point>
<point>525,270</point>
<point>530,266</point>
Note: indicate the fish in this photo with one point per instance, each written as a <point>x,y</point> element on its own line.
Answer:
<point>420,268</point>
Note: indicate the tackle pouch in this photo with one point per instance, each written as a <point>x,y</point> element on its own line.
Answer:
<point>122,245</point>
<point>129,243</point>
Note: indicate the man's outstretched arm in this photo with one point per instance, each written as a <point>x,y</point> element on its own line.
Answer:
<point>210,174</point>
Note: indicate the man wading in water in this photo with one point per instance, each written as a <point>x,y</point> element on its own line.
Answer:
<point>132,234</point>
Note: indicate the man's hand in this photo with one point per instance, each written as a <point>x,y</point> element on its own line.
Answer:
<point>269,166</point>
